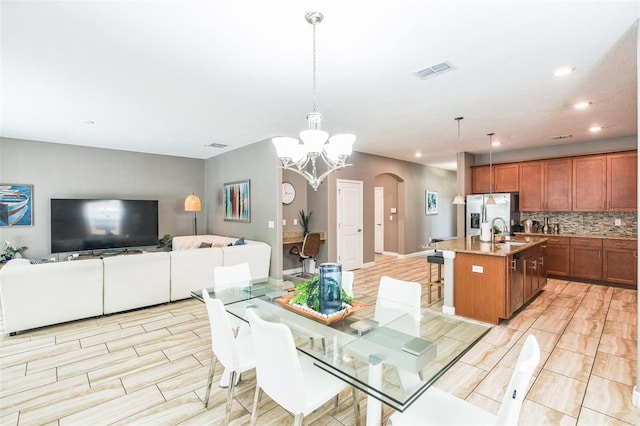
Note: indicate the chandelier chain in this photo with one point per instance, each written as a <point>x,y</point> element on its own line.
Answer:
<point>314,67</point>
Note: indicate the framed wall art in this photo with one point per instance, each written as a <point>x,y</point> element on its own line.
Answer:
<point>431,203</point>
<point>237,201</point>
<point>16,205</point>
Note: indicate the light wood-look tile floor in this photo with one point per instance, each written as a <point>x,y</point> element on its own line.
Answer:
<point>149,366</point>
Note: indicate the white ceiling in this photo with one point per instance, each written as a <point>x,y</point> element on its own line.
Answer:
<point>170,77</point>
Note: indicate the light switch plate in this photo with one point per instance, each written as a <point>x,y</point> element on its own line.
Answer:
<point>271,224</point>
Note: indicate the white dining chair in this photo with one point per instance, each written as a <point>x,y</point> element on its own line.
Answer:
<point>437,407</point>
<point>347,282</point>
<point>234,276</point>
<point>235,353</point>
<point>288,378</point>
<point>397,297</point>
<point>231,276</point>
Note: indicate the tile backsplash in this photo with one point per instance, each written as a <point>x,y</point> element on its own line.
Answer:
<point>588,222</point>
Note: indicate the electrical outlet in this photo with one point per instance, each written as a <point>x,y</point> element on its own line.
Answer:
<point>271,224</point>
<point>295,221</point>
<point>617,222</point>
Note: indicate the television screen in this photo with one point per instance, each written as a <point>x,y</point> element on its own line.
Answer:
<point>78,224</point>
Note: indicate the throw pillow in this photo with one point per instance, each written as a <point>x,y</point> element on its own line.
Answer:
<point>240,242</point>
<point>205,245</point>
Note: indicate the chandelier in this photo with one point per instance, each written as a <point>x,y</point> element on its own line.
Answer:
<point>302,158</point>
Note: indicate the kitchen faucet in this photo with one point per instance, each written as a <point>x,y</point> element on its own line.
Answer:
<point>505,228</point>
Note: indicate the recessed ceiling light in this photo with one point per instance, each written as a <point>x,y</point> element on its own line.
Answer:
<point>595,128</point>
<point>418,154</point>
<point>561,72</point>
<point>582,105</point>
<point>495,143</point>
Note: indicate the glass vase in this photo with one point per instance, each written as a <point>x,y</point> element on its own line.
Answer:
<point>330,288</point>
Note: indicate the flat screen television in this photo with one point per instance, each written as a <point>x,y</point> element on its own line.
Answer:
<point>83,224</point>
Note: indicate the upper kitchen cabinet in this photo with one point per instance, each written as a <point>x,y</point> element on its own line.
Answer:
<point>605,182</point>
<point>590,183</point>
<point>480,180</point>
<point>622,181</point>
<point>545,185</point>
<point>504,179</point>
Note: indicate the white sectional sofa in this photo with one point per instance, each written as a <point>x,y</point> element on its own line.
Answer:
<point>192,265</point>
<point>51,293</point>
<point>136,280</point>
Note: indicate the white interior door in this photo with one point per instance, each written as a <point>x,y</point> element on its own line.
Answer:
<point>349,215</point>
<point>378,219</point>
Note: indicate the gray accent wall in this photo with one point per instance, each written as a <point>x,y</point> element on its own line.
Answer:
<point>258,163</point>
<point>69,171</point>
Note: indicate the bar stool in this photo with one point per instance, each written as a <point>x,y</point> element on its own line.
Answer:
<point>437,258</point>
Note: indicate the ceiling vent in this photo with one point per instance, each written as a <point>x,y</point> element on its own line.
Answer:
<point>434,70</point>
<point>561,137</point>
<point>217,145</point>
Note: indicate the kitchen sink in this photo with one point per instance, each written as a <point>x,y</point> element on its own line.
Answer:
<point>512,243</point>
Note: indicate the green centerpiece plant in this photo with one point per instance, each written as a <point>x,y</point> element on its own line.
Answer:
<point>308,294</point>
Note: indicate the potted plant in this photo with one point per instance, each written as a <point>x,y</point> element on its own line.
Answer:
<point>304,221</point>
<point>165,242</point>
<point>11,252</point>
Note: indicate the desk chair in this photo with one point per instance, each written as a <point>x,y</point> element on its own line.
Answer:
<point>236,354</point>
<point>436,407</point>
<point>290,379</point>
<point>309,250</point>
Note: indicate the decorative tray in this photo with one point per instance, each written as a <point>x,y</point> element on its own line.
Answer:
<point>316,316</point>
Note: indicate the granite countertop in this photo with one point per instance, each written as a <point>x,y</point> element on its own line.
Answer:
<point>607,236</point>
<point>473,245</point>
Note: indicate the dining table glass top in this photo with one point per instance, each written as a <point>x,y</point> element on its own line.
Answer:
<point>389,351</point>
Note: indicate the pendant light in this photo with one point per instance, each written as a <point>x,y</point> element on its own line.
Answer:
<point>490,200</point>
<point>458,199</point>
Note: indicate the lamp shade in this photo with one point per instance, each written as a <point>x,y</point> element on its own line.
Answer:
<point>458,199</point>
<point>192,203</point>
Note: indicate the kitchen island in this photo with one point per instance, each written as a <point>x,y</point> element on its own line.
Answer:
<point>489,281</point>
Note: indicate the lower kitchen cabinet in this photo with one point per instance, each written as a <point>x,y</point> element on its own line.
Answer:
<point>558,256</point>
<point>586,258</point>
<point>620,264</point>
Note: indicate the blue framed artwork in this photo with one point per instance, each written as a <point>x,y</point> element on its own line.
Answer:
<point>237,201</point>
<point>16,205</point>
<point>431,203</point>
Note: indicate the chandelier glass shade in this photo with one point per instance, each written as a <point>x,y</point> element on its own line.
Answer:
<point>303,155</point>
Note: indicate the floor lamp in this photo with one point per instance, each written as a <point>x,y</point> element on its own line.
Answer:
<point>192,204</point>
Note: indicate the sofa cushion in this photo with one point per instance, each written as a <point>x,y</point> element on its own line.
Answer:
<point>193,270</point>
<point>136,280</point>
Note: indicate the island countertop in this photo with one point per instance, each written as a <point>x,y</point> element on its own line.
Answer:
<point>473,245</point>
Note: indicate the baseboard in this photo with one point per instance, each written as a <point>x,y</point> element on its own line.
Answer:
<point>449,310</point>
<point>415,254</point>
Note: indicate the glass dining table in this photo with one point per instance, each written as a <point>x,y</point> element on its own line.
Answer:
<point>391,352</point>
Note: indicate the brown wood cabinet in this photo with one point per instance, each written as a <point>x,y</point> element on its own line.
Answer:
<point>535,272</point>
<point>531,186</point>
<point>590,183</point>
<point>620,264</point>
<point>480,179</point>
<point>545,185</point>
<point>586,258</point>
<point>558,256</point>
<point>506,177</point>
<point>622,181</point>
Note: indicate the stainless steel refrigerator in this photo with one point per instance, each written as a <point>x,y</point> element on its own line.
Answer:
<point>506,207</point>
